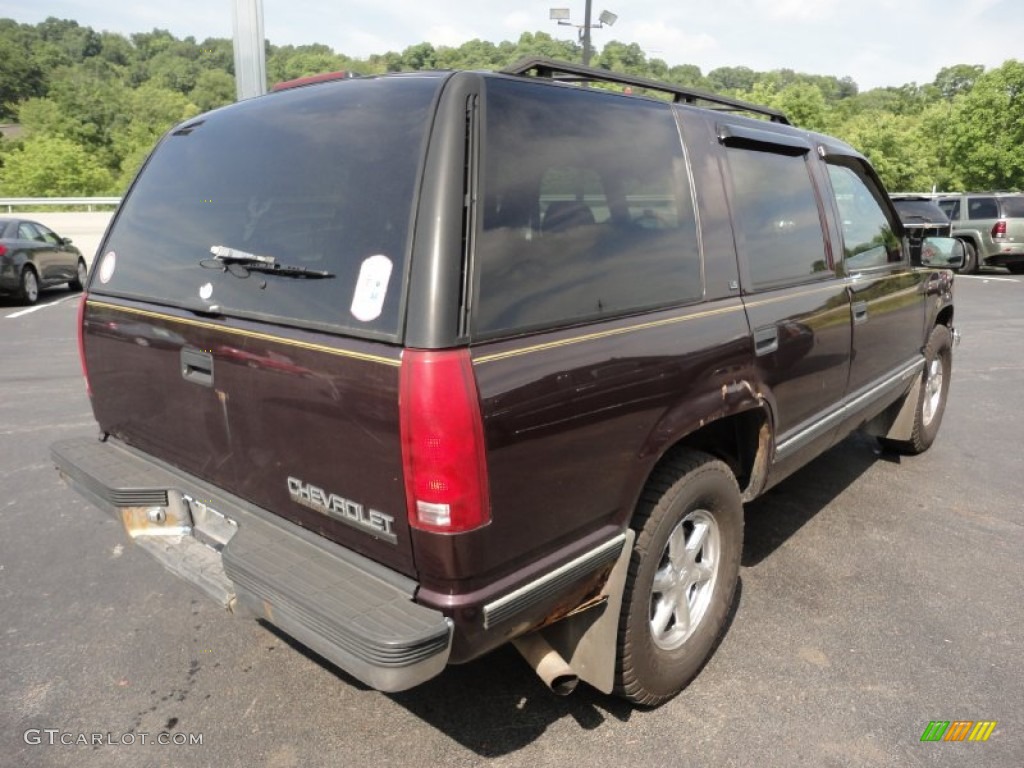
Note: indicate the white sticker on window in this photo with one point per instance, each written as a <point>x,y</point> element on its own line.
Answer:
<point>371,288</point>
<point>107,267</point>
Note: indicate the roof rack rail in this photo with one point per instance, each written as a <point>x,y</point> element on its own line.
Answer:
<point>566,71</point>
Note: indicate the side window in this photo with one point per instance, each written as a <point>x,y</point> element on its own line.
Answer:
<point>778,221</point>
<point>982,208</point>
<point>47,235</point>
<point>868,237</point>
<point>951,208</point>
<point>586,209</point>
<point>28,232</point>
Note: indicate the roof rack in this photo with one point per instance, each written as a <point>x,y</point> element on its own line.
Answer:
<point>568,72</point>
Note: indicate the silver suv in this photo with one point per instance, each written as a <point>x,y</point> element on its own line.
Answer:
<point>991,226</point>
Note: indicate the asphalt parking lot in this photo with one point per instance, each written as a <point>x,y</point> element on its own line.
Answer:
<point>877,594</point>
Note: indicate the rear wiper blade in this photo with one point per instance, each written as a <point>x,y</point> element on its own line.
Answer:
<point>235,256</point>
<point>241,263</point>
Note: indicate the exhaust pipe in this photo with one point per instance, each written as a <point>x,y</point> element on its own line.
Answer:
<point>547,663</point>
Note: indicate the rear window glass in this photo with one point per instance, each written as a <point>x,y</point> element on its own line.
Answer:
<point>1013,207</point>
<point>320,178</point>
<point>587,209</point>
<point>918,211</point>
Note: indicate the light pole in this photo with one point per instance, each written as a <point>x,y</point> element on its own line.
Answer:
<point>606,19</point>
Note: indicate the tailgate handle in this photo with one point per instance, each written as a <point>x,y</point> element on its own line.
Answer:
<point>197,366</point>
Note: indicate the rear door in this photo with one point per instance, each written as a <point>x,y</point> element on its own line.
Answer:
<point>42,254</point>
<point>797,303</point>
<point>245,317</point>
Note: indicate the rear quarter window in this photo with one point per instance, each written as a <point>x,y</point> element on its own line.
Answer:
<point>322,177</point>
<point>1013,207</point>
<point>982,208</point>
<point>587,209</point>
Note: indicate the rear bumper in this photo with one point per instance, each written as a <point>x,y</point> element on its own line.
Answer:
<point>352,611</point>
<point>1008,254</point>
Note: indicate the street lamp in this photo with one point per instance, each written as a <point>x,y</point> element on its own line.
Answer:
<point>606,19</point>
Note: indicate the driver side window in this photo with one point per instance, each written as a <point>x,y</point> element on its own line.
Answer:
<point>868,237</point>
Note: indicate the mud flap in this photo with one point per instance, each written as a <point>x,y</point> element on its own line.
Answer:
<point>897,421</point>
<point>587,640</point>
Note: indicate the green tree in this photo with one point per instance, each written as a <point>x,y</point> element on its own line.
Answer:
<point>623,57</point>
<point>985,133</point>
<point>20,75</point>
<point>214,88</point>
<point>952,81</point>
<point>52,166</point>
<point>733,79</point>
<point>898,148</point>
<point>154,110</point>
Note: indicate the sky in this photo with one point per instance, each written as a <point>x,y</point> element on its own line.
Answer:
<point>874,42</point>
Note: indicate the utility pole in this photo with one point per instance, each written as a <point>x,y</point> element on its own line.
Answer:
<point>586,35</point>
<point>606,19</point>
<point>250,55</point>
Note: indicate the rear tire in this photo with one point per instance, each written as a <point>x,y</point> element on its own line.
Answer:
<point>29,290</point>
<point>931,403</point>
<point>81,274</point>
<point>682,575</point>
<point>970,258</point>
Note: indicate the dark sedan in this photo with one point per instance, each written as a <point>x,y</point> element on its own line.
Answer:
<point>33,257</point>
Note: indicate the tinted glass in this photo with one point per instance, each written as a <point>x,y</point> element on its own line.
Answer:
<point>920,211</point>
<point>321,177</point>
<point>982,208</point>
<point>951,208</point>
<point>777,217</point>
<point>47,234</point>
<point>27,231</point>
<point>1013,207</point>
<point>587,209</point>
<point>868,237</point>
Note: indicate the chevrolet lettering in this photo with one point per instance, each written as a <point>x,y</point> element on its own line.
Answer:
<point>340,508</point>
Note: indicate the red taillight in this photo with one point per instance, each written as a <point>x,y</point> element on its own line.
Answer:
<point>442,442</point>
<point>3,250</point>
<point>81,343</point>
<point>999,229</point>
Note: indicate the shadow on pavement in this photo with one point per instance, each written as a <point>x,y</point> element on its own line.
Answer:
<point>769,521</point>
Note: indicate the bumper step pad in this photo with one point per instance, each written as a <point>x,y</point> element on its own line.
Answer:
<point>367,627</point>
<point>351,611</point>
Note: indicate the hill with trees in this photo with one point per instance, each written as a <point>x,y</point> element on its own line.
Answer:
<point>88,106</point>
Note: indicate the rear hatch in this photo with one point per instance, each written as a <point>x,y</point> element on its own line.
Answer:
<point>1012,212</point>
<point>245,316</point>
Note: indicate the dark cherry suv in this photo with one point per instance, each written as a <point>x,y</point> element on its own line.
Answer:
<point>416,365</point>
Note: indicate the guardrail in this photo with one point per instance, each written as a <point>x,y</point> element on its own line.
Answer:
<point>33,202</point>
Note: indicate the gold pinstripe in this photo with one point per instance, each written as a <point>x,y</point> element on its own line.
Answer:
<point>831,287</point>
<point>249,334</point>
<point>604,334</point>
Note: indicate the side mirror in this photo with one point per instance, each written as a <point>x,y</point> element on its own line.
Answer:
<point>66,241</point>
<point>942,253</point>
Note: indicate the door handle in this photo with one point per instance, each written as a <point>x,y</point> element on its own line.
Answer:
<point>197,366</point>
<point>766,340</point>
<point>860,312</point>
